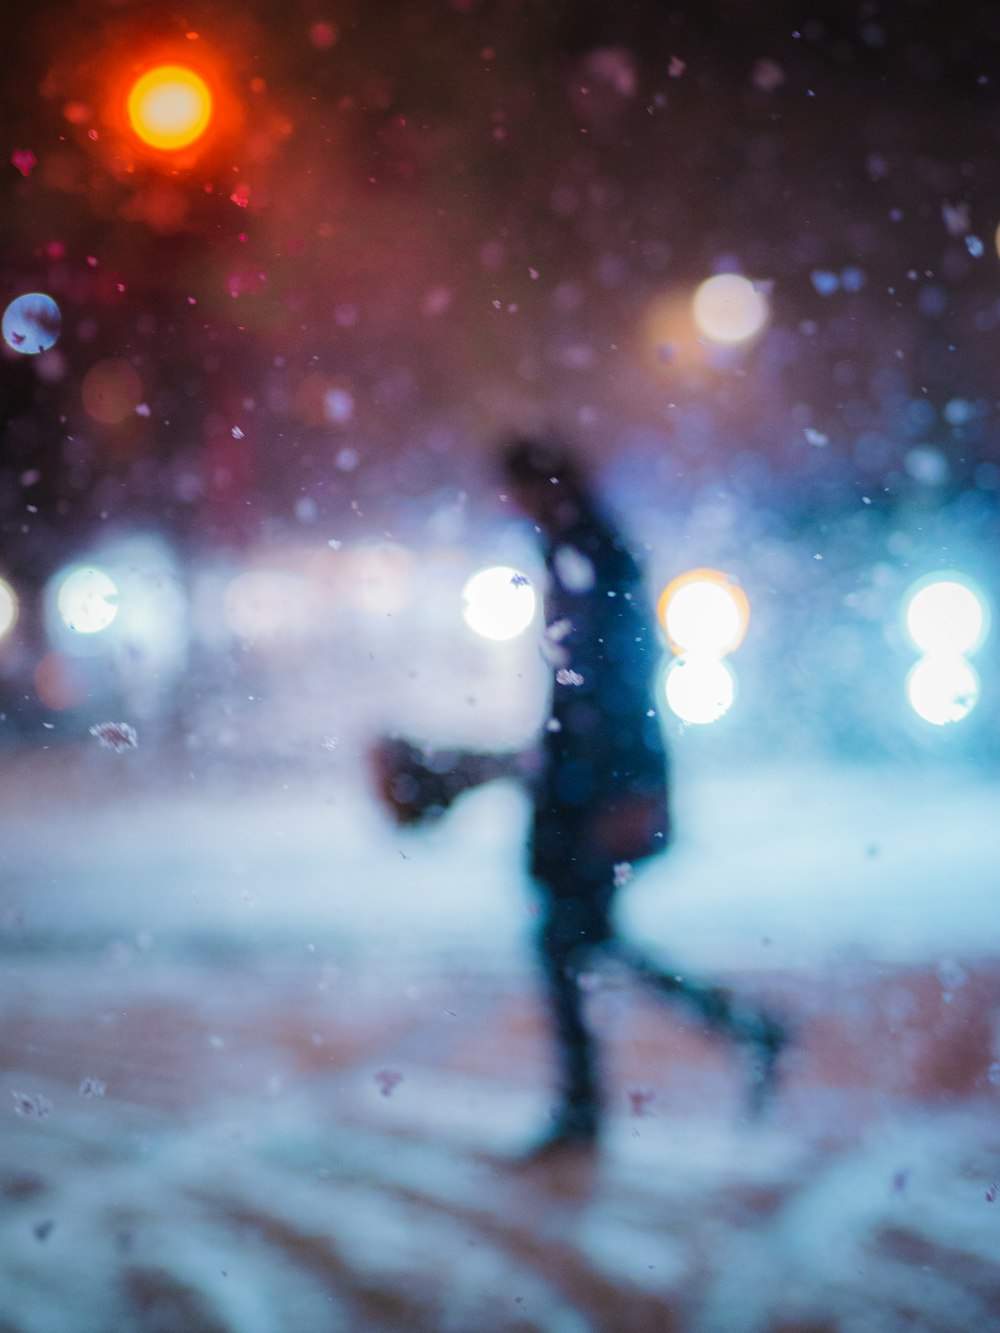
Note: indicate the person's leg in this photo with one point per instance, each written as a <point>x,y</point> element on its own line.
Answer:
<point>762,1034</point>
<point>574,925</point>
<point>579,1095</point>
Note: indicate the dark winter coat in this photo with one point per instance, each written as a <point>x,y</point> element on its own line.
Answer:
<point>601,796</point>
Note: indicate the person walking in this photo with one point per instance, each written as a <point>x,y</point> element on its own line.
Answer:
<point>600,790</point>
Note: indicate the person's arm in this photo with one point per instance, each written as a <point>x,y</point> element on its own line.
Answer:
<point>418,785</point>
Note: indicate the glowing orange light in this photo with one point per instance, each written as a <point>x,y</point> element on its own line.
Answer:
<point>729,308</point>
<point>704,612</point>
<point>170,107</point>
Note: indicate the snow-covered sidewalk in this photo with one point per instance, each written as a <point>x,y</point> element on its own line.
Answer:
<point>253,1148</point>
<point>267,1064</point>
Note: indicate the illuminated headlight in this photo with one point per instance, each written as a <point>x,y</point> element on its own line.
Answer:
<point>700,690</point>
<point>942,689</point>
<point>498,603</point>
<point>946,617</point>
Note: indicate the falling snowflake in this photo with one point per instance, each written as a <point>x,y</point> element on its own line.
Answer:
<point>323,35</point>
<point>330,743</point>
<point>437,301</point>
<point>567,676</point>
<point>551,646</point>
<point>117,736</point>
<point>92,1087</point>
<point>387,1079</point>
<point>974,246</point>
<point>825,283</point>
<point>676,67</point>
<point>32,1105</point>
<point>236,433</point>
<point>993,1073</point>
<point>816,437</point>
<point>573,570</point>
<point>640,1100</point>
<point>768,75</point>
<point>520,581</point>
<point>623,874</point>
<point>614,67</point>
<point>25,160</point>
<point>956,218</point>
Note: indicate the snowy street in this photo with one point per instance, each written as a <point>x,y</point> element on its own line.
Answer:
<point>440,438</point>
<point>268,1063</point>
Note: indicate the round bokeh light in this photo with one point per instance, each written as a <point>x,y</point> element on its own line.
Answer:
<point>111,391</point>
<point>498,603</point>
<point>8,608</point>
<point>729,309</point>
<point>31,323</point>
<point>700,690</point>
<point>87,600</point>
<point>943,688</point>
<point>945,614</point>
<point>170,107</point>
<point>704,612</point>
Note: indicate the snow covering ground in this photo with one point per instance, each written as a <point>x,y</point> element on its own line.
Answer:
<point>268,1062</point>
<point>781,866</point>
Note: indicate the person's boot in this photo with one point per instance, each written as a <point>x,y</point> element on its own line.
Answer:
<point>574,1131</point>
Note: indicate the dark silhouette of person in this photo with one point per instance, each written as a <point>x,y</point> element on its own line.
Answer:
<point>600,791</point>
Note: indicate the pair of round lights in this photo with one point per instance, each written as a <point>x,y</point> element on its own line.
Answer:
<point>946,619</point>
<point>705,615</point>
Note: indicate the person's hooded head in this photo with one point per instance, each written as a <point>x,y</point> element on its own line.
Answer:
<point>547,481</point>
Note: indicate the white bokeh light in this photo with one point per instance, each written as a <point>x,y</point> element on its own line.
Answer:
<point>729,309</point>
<point>945,615</point>
<point>87,600</point>
<point>8,608</point>
<point>498,603</point>
<point>700,690</point>
<point>943,688</point>
<point>704,618</point>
